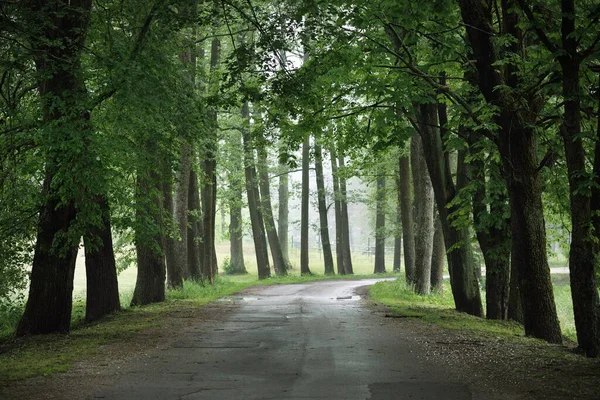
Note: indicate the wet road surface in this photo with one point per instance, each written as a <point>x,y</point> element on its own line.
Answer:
<point>306,341</point>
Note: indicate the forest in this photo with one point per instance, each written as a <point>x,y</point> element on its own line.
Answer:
<point>192,140</point>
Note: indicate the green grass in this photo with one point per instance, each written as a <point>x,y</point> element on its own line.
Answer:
<point>439,309</point>
<point>22,358</point>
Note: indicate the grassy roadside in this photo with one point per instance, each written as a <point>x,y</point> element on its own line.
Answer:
<point>22,358</point>
<point>439,310</point>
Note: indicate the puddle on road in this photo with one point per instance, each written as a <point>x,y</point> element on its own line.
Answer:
<point>354,298</point>
<point>233,299</point>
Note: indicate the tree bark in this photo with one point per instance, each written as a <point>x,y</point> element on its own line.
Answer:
<point>461,265</point>
<point>380,226</point>
<point>406,213</point>
<point>267,210</point>
<point>209,179</point>
<point>236,233</point>
<point>169,239</point>
<point>324,222</point>
<point>494,237</point>
<point>149,231</point>
<point>582,254</point>
<point>256,218</point>
<point>337,196</point>
<point>102,294</point>
<point>346,248</point>
<point>304,221</point>
<point>57,57</point>
<point>398,228</point>
<point>423,191</point>
<point>283,213</point>
<point>518,148</point>
<point>438,256</point>
<point>182,187</point>
<point>193,231</point>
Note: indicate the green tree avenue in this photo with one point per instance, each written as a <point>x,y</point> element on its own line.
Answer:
<point>465,134</point>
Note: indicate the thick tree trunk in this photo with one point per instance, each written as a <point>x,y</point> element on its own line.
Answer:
<point>50,297</point>
<point>398,229</point>
<point>406,213</point>
<point>256,218</point>
<point>283,213</point>
<point>236,237</point>
<point>338,213</point>
<point>193,232</point>
<point>438,257</point>
<point>494,238</point>
<point>209,181</point>
<point>518,148</point>
<point>515,308</point>
<point>169,239</point>
<point>181,206</point>
<point>57,57</point>
<point>102,295</point>
<point>323,220</point>
<point>304,221</point>
<point>582,255</point>
<point>424,231</point>
<point>267,210</point>
<point>380,226</point>
<point>149,243</point>
<point>346,248</point>
<point>461,265</point>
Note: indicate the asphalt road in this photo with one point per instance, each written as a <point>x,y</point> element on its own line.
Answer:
<point>308,341</point>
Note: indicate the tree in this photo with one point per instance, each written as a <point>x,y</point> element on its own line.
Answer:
<point>344,217</point>
<point>150,225</point>
<point>256,218</point>
<point>324,223</point>
<point>406,214</point>
<point>60,32</point>
<point>267,211</point>
<point>304,245</point>
<point>517,143</point>
<point>423,217</point>
<point>380,224</point>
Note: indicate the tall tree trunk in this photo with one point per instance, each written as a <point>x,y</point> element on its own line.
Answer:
<point>149,243</point>
<point>515,308</point>
<point>236,233</point>
<point>380,226</point>
<point>256,218</point>
<point>324,223</point>
<point>337,196</point>
<point>582,255</point>
<point>102,295</point>
<point>193,232</point>
<point>494,238</point>
<point>424,231</point>
<point>346,248</point>
<point>518,148</point>
<point>57,57</point>
<point>169,238</point>
<point>181,206</point>
<point>461,264</point>
<point>209,180</point>
<point>406,213</point>
<point>267,210</point>
<point>283,213</point>
<point>438,256</point>
<point>304,222</point>
<point>398,228</point>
